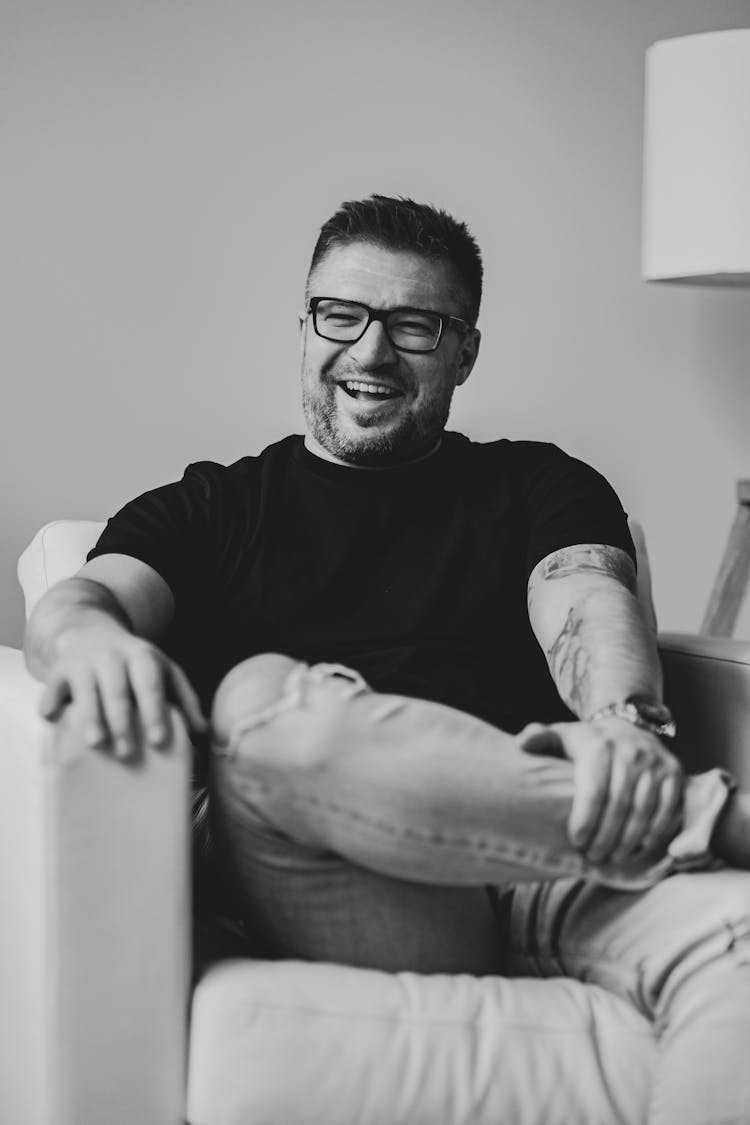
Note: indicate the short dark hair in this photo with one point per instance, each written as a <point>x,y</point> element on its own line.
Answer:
<point>398,223</point>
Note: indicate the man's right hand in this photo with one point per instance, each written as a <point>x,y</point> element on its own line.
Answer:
<point>120,684</point>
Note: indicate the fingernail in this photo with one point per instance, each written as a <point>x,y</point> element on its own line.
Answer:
<point>122,748</point>
<point>96,737</point>
<point>157,735</point>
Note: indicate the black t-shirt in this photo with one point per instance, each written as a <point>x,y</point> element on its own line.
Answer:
<point>414,576</point>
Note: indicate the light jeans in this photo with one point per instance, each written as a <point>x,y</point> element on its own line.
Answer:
<point>399,834</point>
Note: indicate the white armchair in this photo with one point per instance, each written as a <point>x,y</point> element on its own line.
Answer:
<point>98,1026</point>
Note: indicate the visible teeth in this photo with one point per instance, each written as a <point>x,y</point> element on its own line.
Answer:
<point>368,388</point>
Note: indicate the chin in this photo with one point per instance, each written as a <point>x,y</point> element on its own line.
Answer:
<point>375,446</point>
<point>381,449</point>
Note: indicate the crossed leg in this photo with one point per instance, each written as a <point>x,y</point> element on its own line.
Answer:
<point>365,829</point>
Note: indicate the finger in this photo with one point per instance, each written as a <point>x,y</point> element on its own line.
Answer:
<point>592,766</point>
<point>86,699</point>
<point>147,683</point>
<point>55,698</point>
<point>666,819</point>
<point>643,808</point>
<point>186,698</point>
<point>536,738</point>
<point>528,732</point>
<point>118,707</point>
<point>617,809</point>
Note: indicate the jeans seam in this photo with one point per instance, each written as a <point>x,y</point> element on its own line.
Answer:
<point>478,848</point>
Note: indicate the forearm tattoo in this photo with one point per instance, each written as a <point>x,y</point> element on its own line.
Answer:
<point>591,559</point>
<point>568,661</point>
<point>576,649</point>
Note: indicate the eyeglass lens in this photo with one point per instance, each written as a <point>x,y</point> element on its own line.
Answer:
<point>345,321</point>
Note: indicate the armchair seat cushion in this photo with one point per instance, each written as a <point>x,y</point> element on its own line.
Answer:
<point>292,1042</point>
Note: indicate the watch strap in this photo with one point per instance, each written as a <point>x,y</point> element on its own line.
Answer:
<point>628,710</point>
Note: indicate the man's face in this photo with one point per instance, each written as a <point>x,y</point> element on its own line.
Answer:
<point>365,428</point>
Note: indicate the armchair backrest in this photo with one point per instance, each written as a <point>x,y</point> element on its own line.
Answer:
<point>57,551</point>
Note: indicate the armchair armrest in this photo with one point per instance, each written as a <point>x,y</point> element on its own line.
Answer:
<point>707,685</point>
<point>94,921</point>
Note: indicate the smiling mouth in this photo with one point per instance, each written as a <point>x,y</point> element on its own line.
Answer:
<point>369,392</point>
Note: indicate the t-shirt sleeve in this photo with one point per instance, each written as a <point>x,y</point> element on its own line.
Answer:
<point>167,528</point>
<point>568,502</point>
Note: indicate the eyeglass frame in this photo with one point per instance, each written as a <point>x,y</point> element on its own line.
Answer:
<point>381,315</point>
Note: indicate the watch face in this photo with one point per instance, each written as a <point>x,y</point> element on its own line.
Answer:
<point>651,712</point>
<point>655,716</point>
<point>654,712</point>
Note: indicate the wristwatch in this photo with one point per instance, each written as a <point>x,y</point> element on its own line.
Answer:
<point>642,711</point>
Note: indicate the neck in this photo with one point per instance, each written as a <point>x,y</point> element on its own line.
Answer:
<point>319,450</point>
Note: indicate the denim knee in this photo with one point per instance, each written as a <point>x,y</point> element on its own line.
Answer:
<point>248,689</point>
<point>281,712</point>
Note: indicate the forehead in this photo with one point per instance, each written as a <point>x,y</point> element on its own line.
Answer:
<point>362,271</point>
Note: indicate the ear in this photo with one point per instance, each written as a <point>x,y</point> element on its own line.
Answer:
<point>467,357</point>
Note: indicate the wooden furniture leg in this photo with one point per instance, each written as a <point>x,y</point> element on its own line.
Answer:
<point>734,573</point>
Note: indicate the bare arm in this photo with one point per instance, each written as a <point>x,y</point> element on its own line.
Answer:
<point>601,650</point>
<point>91,640</point>
<point>586,617</point>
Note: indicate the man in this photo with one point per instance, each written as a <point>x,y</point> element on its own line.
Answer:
<point>429,676</point>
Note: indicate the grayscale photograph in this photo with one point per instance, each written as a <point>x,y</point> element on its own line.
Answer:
<point>374,616</point>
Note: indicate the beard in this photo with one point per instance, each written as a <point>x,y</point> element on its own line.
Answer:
<point>371,443</point>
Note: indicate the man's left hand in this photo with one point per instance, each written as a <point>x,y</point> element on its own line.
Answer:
<point>628,787</point>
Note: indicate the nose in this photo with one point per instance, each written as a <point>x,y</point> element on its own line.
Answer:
<point>374,349</point>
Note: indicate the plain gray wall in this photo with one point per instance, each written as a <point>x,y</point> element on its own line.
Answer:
<point>168,163</point>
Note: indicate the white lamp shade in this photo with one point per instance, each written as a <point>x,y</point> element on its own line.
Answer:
<point>696,188</point>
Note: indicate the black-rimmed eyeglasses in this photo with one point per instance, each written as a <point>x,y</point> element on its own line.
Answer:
<point>409,330</point>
